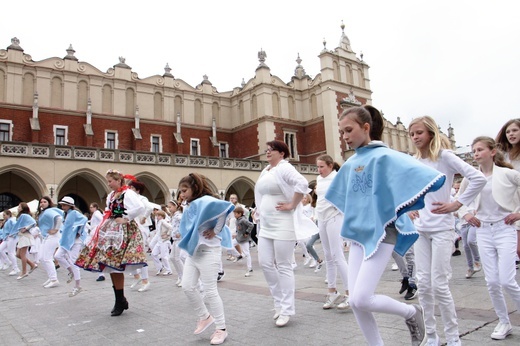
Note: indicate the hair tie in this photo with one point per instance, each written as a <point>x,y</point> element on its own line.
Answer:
<point>130,177</point>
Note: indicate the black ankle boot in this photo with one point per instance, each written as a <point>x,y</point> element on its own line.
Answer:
<point>121,303</point>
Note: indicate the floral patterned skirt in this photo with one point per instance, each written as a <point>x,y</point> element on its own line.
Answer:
<point>130,253</point>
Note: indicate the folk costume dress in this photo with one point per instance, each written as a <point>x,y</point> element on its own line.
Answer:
<point>115,246</point>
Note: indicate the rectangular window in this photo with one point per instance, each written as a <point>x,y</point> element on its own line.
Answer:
<point>60,135</point>
<point>5,131</point>
<point>223,152</point>
<point>195,147</point>
<point>156,144</point>
<point>111,140</point>
<point>290,140</point>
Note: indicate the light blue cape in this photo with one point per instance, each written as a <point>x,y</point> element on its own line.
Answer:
<point>376,187</point>
<point>74,224</point>
<point>202,214</point>
<point>46,219</point>
<point>24,221</point>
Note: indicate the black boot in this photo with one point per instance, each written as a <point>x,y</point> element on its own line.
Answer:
<point>121,303</point>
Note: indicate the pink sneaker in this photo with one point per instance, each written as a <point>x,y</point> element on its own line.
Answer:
<point>203,325</point>
<point>218,337</point>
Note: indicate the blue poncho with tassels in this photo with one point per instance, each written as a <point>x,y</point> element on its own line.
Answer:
<point>376,187</point>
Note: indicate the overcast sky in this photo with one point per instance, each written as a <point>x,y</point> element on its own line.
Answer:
<point>458,61</point>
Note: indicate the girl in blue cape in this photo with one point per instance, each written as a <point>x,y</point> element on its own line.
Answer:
<point>374,189</point>
<point>203,231</point>
<point>24,222</point>
<point>73,235</point>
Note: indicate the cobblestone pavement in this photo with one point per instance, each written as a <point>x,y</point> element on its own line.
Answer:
<point>32,315</point>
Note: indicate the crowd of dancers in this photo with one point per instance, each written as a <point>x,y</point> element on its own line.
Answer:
<point>380,204</point>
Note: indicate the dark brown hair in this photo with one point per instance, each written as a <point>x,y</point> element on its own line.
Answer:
<point>280,147</point>
<point>137,185</point>
<point>367,115</point>
<point>39,210</point>
<point>504,145</point>
<point>198,184</point>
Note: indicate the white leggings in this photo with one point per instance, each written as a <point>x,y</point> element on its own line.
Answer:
<point>332,244</point>
<point>364,276</point>
<point>178,257</point>
<point>49,246</point>
<point>67,258</point>
<point>10,246</point>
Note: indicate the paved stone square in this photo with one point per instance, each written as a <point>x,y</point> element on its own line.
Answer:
<point>32,315</point>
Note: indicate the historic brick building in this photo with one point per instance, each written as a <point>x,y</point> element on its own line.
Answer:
<point>64,122</point>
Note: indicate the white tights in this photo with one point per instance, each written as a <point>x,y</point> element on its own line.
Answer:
<point>364,276</point>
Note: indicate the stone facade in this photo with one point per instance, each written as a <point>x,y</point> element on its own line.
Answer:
<point>64,122</point>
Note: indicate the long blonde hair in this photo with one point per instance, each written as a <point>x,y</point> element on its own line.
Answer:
<point>437,143</point>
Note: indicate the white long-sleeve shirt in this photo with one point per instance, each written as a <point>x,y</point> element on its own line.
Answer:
<point>449,164</point>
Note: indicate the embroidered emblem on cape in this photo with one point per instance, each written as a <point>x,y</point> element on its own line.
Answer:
<point>362,182</point>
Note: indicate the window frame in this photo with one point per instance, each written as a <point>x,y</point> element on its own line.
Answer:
<point>159,144</point>
<point>293,149</point>
<point>116,139</point>
<point>192,141</point>
<point>9,123</point>
<point>56,128</point>
<point>226,149</point>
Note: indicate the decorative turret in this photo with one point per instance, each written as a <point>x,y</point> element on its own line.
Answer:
<point>70,54</point>
<point>344,41</point>
<point>15,44</point>
<point>167,71</point>
<point>299,71</point>
<point>262,55</point>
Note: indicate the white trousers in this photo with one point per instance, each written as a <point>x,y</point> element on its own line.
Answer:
<point>275,258</point>
<point>332,244</point>
<point>497,247</point>
<point>432,257</point>
<point>364,276</point>
<point>204,265</point>
<point>11,251</point>
<point>67,258</point>
<point>160,256</point>
<point>247,254</point>
<point>178,257</point>
<point>49,246</point>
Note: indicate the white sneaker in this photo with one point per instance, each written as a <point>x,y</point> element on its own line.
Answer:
<point>502,330</point>
<point>343,305</point>
<point>313,263</point>
<point>145,287</point>
<point>75,291</point>
<point>454,343</point>
<point>135,283</point>
<point>53,283</point>
<point>249,273</point>
<point>477,266</point>
<point>470,272</point>
<point>276,313</point>
<point>318,266</point>
<point>332,300</point>
<point>395,267</point>
<point>307,260</point>
<point>178,283</point>
<point>14,272</point>
<point>282,320</point>
<point>46,282</point>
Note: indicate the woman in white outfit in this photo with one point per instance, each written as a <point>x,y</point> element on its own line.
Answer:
<point>495,211</point>
<point>9,243</point>
<point>330,221</point>
<point>143,222</point>
<point>73,235</point>
<point>50,220</point>
<point>177,255</point>
<point>278,193</point>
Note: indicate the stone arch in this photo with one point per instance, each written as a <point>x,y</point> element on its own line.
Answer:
<point>244,188</point>
<point>212,186</point>
<point>21,182</point>
<point>85,186</point>
<point>156,190</point>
